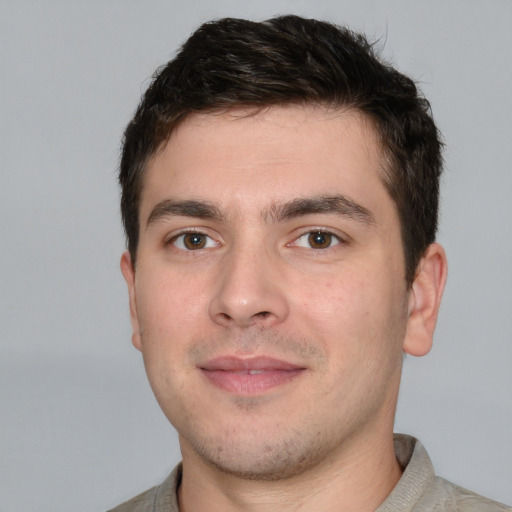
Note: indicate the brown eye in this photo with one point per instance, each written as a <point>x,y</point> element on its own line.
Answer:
<point>194,241</point>
<point>320,240</point>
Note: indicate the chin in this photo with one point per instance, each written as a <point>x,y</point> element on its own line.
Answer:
<point>272,467</point>
<point>263,459</point>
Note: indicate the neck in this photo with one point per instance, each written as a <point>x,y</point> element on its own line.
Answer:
<point>358,478</point>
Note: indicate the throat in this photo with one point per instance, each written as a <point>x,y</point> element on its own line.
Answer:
<point>355,486</point>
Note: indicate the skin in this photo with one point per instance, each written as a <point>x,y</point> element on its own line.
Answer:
<point>259,285</point>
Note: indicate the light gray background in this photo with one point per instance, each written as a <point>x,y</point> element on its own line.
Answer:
<point>80,429</point>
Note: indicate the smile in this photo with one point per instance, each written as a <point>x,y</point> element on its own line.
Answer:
<point>249,376</point>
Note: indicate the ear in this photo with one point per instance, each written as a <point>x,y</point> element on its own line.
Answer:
<point>424,301</point>
<point>128,271</point>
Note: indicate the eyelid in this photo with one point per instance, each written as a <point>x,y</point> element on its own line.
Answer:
<point>341,238</point>
<point>175,235</point>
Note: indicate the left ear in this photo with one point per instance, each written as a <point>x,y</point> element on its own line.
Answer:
<point>424,301</point>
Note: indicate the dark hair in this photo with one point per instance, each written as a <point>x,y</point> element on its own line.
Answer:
<point>232,63</point>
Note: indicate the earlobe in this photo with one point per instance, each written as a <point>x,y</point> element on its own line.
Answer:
<point>128,271</point>
<point>424,301</point>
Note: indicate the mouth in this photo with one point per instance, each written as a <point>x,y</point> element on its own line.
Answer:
<point>249,376</point>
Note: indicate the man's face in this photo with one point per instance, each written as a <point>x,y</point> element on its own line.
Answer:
<point>269,298</point>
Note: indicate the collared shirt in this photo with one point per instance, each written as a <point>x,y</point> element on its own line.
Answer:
<point>418,490</point>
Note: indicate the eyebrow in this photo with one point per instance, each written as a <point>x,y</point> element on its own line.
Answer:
<point>278,212</point>
<point>336,204</point>
<point>188,208</point>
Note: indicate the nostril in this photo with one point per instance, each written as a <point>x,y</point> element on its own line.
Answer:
<point>262,314</point>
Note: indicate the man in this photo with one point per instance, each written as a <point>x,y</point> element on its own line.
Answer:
<point>279,196</point>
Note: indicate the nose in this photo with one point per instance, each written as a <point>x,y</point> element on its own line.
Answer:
<point>249,291</point>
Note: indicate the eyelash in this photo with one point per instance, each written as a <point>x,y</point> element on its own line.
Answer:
<point>179,240</point>
<point>209,241</point>
<point>332,239</point>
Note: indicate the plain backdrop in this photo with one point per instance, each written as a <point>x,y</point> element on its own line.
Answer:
<point>79,427</point>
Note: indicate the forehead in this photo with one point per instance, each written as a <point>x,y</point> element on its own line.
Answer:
<point>252,156</point>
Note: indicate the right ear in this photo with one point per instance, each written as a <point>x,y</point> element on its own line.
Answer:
<point>128,271</point>
<point>424,301</point>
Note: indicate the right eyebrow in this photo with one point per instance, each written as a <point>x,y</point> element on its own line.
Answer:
<point>189,208</point>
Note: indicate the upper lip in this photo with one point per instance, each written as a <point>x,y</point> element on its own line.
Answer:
<point>236,364</point>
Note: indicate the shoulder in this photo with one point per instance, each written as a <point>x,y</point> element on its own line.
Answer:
<point>420,490</point>
<point>144,502</point>
<point>442,495</point>
<point>162,498</point>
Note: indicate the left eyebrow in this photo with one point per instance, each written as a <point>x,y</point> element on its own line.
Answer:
<point>337,205</point>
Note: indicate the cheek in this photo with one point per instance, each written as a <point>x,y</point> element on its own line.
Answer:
<point>335,303</point>
<point>354,314</point>
<point>164,319</point>
<point>168,304</point>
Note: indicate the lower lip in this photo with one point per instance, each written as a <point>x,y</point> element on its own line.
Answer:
<point>247,384</point>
